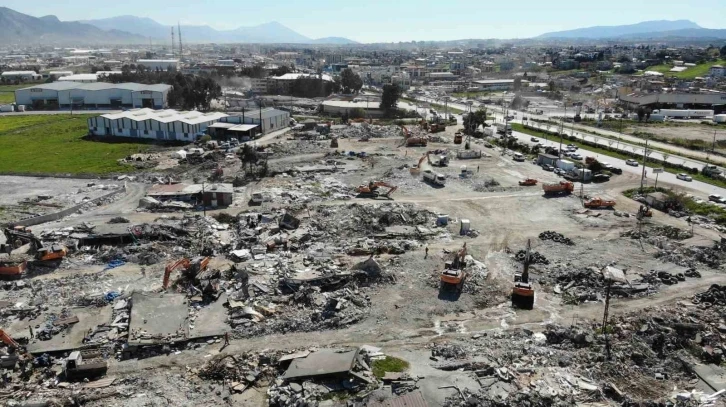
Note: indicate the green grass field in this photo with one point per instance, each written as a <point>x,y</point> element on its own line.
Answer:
<point>690,73</point>
<point>53,144</point>
<point>7,93</point>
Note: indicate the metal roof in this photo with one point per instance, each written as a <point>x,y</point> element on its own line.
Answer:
<point>166,116</point>
<point>412,399</point>
<point>134,87</point>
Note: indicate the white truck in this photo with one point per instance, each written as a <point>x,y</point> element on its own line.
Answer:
<point>503,128</point>
<point>684,113</point>
<point>467,154</point>
<point>434,178</point>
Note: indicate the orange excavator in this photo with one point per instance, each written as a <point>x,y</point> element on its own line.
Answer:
<point>195,265</point>
<point>413,141</point>
<point>454,275</point>
<point>523,292</point>
<point>8,340</point>
<point>19,236</point>
<point>370,190</point>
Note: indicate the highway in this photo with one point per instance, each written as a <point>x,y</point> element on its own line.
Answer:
<point>701,187</point>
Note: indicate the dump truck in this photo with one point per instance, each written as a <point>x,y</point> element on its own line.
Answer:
<point>599,203</point>
<point>562,187</point>
<point>84,365</point>
<point>528,182</point>
<point>458,138</point>
<point>416,141</point>
<point>434,178</point>
<point>11,269</point>
<point>437,127</point>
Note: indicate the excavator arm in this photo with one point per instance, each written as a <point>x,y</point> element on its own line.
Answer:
<point>391,188</point>
<point>7,339</point>
<point>173,266</point>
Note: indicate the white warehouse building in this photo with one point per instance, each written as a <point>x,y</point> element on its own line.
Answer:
<point>99,95</point>
<point>166,125</point>
<point>269,119</point>
<point>159,64</point>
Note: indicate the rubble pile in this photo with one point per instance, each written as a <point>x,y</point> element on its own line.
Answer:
<point>588,284</point>
<point>556,237</point>
<point>715,295</point>
<point>365,130</point>
<point>534,257</point>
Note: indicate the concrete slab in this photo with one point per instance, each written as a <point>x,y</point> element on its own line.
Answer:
<point>72,337</point>
<point>210,320</point>
<point>325,362</point>
<point>714,376</point>
<point>158,318</point>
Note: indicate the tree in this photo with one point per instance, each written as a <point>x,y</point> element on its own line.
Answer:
<point>389,98</point>
<point>356,113</point>
<point>517,85</point>
<point>723,52</point>
<point>475,119</point>
<point>350,81</point>
<point>641,113</point>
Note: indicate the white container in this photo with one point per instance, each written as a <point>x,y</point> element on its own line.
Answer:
<point>465,226</point>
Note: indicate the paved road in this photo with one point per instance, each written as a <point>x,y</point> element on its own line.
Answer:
<point>701,187</point>
<point>58,112</point>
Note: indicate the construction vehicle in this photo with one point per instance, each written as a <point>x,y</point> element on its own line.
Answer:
<point>437,128</point>
<point>8,340</point>
<point>434,178</point>
<point>458,137</point>
<point>577,118</point>
<point>370,190</point>
<point>413,141</point>
<point>12,269</point>
<point>195,265</point>
<point>453,276</point>
<point>528,182</point>
<point>644,212</point>
<point>523,292</point>
<point>19,236</point>
<point>85,364</point>
<point>562,187</point>
<point>417,168</point>
<point>599,203</point>
<point>334,142</point>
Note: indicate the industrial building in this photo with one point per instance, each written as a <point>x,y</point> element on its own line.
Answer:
<point>80,78</point>
<point>269,119</point>
<point>99,95</point>
<point>20,76</point>
<point>159,64</point>
<point>338,105</point>
<point>679,100</point>
<point>165,125</point>
<point>281,84</point>
<point>497,84</point>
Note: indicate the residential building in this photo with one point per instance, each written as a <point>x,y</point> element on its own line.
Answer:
<point>214,195</point>
<point>281,84</point>
<point>159,64</point>
<point>717,71</point>
<point>165,125</point>
<point>99,95</point>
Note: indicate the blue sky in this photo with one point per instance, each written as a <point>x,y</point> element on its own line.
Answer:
<point>391,20</point>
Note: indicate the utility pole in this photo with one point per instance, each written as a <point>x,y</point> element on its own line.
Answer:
<point>645,158</point>
<point>180,41</point>
<point>172,42</point>
<point>204,207</point>
<point>562,131</point>
<point>713,146</point>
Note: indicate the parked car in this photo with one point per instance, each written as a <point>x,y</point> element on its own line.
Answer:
<point>548,167</point>
<point>572,147</point>
<point>684,177</point>
<point>600,177</point>
<point>534,140</point>
<point>576,156</point>
<point>616,170</point>
<point>716,198</point>
<point>632,163</point>
<point>559,171</point>
<point>567,153</point>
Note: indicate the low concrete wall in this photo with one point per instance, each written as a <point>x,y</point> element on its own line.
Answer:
<point>65,212</point>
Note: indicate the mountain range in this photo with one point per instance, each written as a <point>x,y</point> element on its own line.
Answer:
<point>18,28</point>
<point>644,30</point>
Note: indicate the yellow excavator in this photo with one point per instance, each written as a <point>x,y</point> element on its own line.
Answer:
<point>370,190</point>
<point>453,276</point>
<point>523,291</point>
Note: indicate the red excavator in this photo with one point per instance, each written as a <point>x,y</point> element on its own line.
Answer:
<point>8,340</point>
<point>19,236</point>
<point>370,190</point>
<point>454,276</point>
<point>195,265</point>
<point>523,292</point>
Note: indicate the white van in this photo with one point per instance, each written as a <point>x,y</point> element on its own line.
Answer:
<point>518,157</point>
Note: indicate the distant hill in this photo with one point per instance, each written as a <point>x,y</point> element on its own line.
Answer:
<point>19,28</point>
<point>619,31</point>
<point>272,32</point>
